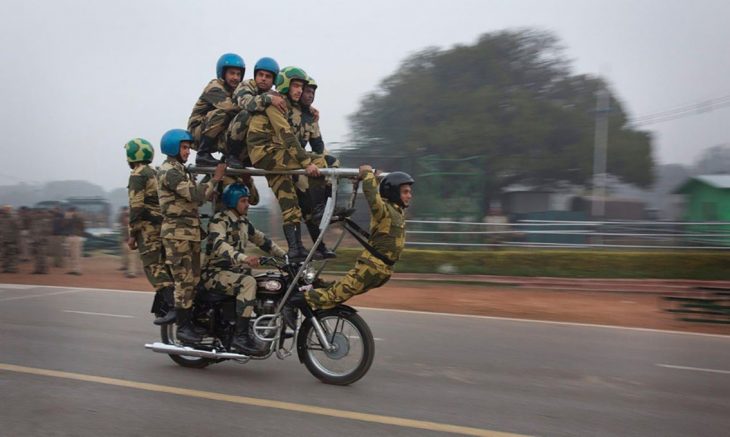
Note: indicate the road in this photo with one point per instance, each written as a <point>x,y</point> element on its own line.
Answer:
<point>72,363</point>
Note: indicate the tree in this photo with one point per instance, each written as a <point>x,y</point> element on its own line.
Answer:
<point>511,99</point>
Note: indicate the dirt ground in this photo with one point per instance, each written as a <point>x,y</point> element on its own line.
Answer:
<point>632,303</point>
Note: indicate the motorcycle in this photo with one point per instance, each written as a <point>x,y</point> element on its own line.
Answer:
<point>335,345</point>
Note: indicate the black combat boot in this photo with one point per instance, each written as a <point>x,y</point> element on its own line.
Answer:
<point>322,251</point>
<point>166,314</point>
<point>243,341</point>
<point>185,332</point>
<point>293,235</point>
<point>233,157</point>
<point>205,158</point>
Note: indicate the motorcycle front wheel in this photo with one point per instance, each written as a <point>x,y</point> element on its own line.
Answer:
<point>167,332</point>
<point>353,351</point>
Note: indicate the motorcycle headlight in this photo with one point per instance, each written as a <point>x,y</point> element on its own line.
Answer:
<point>309,275</point>
<point>271,285</point>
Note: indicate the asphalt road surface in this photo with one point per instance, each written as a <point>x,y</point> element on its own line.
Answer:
<point>73,363</point>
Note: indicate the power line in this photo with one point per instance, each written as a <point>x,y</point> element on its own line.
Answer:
<point>684,111</point>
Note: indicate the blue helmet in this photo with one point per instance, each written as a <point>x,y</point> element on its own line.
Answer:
<point>227,61</point>
<point>233,193</point>
<point>170,142</point>
<point>267,64</point>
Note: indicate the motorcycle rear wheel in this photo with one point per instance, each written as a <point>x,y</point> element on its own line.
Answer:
<point>167,332</point>
<point>354,351</point>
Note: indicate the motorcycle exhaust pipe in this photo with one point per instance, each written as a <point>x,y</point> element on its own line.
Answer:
<point>172,349</point>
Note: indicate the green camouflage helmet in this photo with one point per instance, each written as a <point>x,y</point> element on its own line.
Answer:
<point>311,83</point>
<point>139,150</point>
<point>286,75</point>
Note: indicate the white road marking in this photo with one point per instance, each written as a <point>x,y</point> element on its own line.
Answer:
<point>430,313</point>
<point>696,369</point>
<point>5,299</point>
<point>99,314</point>
<point>18,286</point>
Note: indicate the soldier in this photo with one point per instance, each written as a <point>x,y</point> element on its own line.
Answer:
<point>305,121</point>
<point>273,145</point>
<point>251,96</point>
<point>8,240</point>
<point>228,269</point>
<point>144,226</point>
<point>179,198</point>
<point>41,230</point>
<point>374,266</point>
<point>24,218</point>
<point>214,110</point>
<point>75,239</point>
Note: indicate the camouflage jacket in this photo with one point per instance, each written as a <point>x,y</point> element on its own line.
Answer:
<point>179,201</point>
<point>387,221</point>
<point>216,95</point>
<point>306,129</point>
<point>144,203</point>
<point>228,234</point>
<point>269,132</point>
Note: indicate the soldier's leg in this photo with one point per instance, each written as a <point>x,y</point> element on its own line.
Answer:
<point>364,276</point>
<point>180,257</point>
<point>125,255</point>
<point>152,255</point>
<point>211,137</point>
<point>235,141</point>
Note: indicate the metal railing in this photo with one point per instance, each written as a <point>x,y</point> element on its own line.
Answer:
<point>570,234</point>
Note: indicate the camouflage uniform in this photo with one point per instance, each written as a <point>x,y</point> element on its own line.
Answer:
<point>41,228</point>
<point>145,222</point>
<point>9,233</point>
<point>225,270</point>
<point>249,100</point>
<point>272,145</point>
<point>308,132</point>
<point>181,234</point>
<point>212,114</point>
<point>387,236</point>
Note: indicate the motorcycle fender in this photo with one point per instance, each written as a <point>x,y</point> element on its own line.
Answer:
<point>301,340</point>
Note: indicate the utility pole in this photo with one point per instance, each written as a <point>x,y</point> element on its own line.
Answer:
<point>603,107</point>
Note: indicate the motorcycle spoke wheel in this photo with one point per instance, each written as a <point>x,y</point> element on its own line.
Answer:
<point>352,354</point>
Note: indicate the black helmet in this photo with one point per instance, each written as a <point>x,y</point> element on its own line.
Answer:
<point>390,186</point>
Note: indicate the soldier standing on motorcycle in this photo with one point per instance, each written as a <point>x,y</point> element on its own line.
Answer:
<point>374,266</point>
<point>179,198</point>
<point>228,269</point>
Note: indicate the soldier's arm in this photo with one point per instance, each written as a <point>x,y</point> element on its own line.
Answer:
<point>247,99</point>
<point>136,189</point>
<point>280,124</point>
<point>177,181</point>
<point>315,140</point>
<point>263,242</point>
<point>370,189</point>
<point>216,95</point>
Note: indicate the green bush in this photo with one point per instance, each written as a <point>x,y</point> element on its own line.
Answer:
<point>559,263</point>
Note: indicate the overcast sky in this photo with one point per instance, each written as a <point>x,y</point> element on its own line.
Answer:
<point>80,78</point>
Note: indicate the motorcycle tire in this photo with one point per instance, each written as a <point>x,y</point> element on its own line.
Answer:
<point>351,335</point>
<point>167,333</point>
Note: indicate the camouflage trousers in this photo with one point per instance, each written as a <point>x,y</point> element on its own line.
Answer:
<point>149,245</point>
<point>283,185</point>
<point>368,273</point>
<point>236,136</point>
<point>232,283</point>
<point>183,259</point>
<point>214,127</point>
